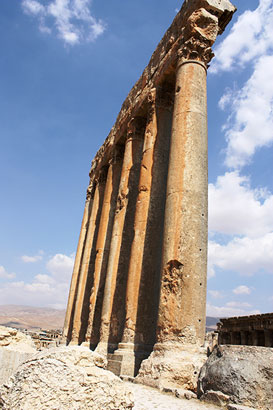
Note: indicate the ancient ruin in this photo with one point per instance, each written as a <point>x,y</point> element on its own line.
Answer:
<point>254,330</point>
<point>139,280</point>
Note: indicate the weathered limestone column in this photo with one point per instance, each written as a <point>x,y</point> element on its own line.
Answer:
<point>127,347</point>
<point>268,337</point>
<point>184,260</point>
<point>243,337</point>
<point>106,219</point>
<point>90,236</point>
<point>133,150</point>
<point>78,259</point>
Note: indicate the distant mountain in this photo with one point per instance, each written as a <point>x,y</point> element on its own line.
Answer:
<point>28,317</point>
<point>211,323</point>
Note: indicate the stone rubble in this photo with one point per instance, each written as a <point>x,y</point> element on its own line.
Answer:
<point>15,348</point>
<point>65,378</point>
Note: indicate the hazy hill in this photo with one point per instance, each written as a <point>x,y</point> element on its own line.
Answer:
<point>27,317</point>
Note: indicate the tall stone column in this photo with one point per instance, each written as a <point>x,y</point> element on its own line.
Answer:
<point>106,222</point>
<point>182,310</point>
<point>133,150</point>
<point>78,318</point>
<point>77,263</point>
<point>126,349</point>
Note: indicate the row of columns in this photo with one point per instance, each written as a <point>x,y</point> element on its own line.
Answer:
<point>262,337</point>
<point>142,249</point>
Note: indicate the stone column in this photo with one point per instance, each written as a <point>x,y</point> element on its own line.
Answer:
<point>77,263</point>
<point>127,347</point>
<point>243,337</point>
<point>133,150</point>
<point>106,219</point>
<point>268,337</point>
<point>184,260</point>
<point>86,260</point>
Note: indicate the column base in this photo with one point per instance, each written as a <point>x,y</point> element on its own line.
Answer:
<point>126,360</point>
<point>172,366</point>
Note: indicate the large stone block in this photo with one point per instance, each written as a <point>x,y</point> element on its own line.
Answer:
<point>69,378</point>
<point>244,373</point>
<point>15,348</point>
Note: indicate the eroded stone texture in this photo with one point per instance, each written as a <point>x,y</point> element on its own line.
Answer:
<point>69,378</point>
<point>243,373</point>
<point>140,271</point>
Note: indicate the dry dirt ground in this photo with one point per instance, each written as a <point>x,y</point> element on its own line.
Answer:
<point>147,398</point>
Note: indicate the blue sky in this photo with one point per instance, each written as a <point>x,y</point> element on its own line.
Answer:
<point>66,66</point>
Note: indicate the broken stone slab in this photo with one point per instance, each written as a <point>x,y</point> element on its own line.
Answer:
<point>244,373</point>
<point>176,368</point>
<point>15,348</point>
<point>215,397</point>
<point>69,378</point>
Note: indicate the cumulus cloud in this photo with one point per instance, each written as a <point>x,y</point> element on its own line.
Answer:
<point>216,294</point>
<point>250,124</point>
<point>73,20</point>
<point>242,290</point>
<point>44,289</point>
<point>245,256</point>
<point>61,266</point>
<point>236,209</point>
<point>250,37</point>
<point>32,259</point>
<point>229,310</point>
<point>5,275</point>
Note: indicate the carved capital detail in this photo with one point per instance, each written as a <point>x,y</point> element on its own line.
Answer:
<point>199,35</point>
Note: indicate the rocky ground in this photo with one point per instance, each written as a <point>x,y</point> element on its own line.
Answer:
<point>147,398</point>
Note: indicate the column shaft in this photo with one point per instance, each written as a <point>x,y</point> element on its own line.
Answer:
<point>133,149</point>
<point>77,320</point>
<point>140,224</point>
<point>77,265</point>
<point>184,260</point>
<point>106,219</point>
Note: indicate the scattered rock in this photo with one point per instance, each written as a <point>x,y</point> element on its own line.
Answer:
<point>177,367</point>
<point>244,373</point>
<point>215,397</point>
<point>71,378</point>
<point>238,407</point>
<point>15,348</point>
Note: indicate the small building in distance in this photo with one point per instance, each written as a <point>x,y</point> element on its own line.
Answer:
<point>254,330</point>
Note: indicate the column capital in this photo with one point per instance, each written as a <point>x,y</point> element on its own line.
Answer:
<point>200,33</point>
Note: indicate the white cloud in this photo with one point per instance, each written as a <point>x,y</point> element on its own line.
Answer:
<point>236,209</point>
<point>33,7</point>
<point>73,20</point>
<point>44,289</point>
<point>238,305</point>
<point>250,125</point>
<point>250,37</point>
<point>245,256</point>
<point>34,258</point>
<point>216,294</point>
<point>242,290</point>
<point>5,275</point>
<point>61,266</point>
<point>229,311</point>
